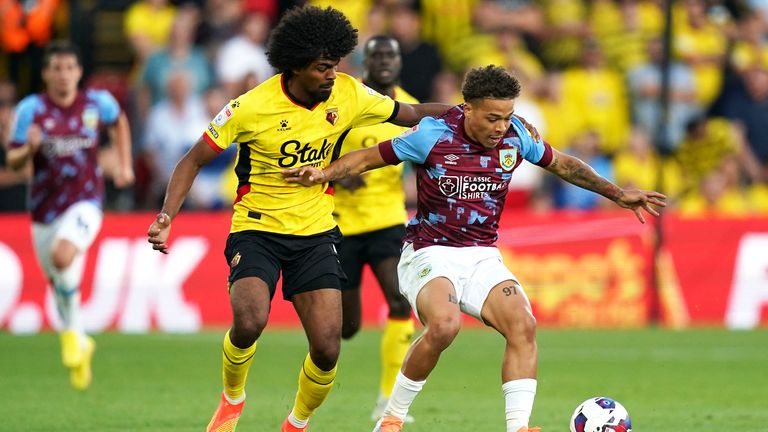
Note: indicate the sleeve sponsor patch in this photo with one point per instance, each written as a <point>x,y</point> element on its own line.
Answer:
<point>409,131</point>
<point>213,132</point>
<point>372,92</point>
<point>223,116</point>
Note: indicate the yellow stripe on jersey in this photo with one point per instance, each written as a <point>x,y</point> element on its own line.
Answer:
<point>275,133</point>
<point>381,202</point>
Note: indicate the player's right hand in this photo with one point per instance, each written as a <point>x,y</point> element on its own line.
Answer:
<point>34,138</point>
<point>306,175</point>
<point>159,231</point>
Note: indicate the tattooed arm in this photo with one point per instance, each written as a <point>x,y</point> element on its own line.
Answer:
<point>577,172</point>
<point>351,164</point>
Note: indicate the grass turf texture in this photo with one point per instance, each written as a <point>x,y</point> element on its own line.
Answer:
<point>695,380</point>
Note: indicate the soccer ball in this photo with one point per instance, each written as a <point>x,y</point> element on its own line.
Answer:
<point>600,414</point>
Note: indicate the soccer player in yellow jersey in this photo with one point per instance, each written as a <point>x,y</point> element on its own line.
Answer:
<point>370,211</point>
<point>297,118</point>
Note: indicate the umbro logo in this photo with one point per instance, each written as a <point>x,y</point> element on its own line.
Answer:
<point>283,126</point>
<point>451,159</point>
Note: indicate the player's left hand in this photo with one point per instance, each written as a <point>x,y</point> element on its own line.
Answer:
<point>124,177</point>
<point>635,199</point>
<point>531,129</point>
<point>159,231</point>
<point>306,175</point>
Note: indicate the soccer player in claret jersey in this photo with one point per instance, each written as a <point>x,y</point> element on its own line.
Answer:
<point>58,131</point>
<point>370,211</point>
<point>297,118</point>
<point>464,161</point>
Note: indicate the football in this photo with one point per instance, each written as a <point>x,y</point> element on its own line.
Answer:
<point>600,414</point>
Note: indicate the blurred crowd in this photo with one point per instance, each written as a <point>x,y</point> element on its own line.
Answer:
<point>591,72</point>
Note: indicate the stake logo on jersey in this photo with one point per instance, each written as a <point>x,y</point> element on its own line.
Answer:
<point>66,166</point>
<point>459,203</point>
<point>304,154</point>
<point>275,132</point>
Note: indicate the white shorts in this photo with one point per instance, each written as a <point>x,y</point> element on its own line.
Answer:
<point>80,224</point>
<point>473,271</point>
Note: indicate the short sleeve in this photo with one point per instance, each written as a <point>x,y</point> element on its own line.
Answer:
<point>534,151</point>
<point>109,109</point>
<point>225,127</point>
<point>25,115</point>
<point>373,107</point>
<point>415,144</point>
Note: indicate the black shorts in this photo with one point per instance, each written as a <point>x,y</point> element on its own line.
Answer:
<point>307,263</point>
<point>356,251</point>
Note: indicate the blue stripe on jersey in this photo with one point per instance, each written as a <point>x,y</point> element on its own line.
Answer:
<point>109,109</point>
<point>25,114</point>
<point>415,145</point>
<point>531,150</point>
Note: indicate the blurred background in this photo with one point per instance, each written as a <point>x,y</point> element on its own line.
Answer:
<point>681,109</point>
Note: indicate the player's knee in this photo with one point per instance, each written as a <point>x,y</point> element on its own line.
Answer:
<point>61,259</point>
<point>246,330</point>
<point>325,355</point>
<point>399,308</point>
<point>442,330</point>
<point>521,332</point>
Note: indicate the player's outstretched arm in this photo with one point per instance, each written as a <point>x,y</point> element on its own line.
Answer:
<point>351,164</point>
<point>409,115</point>
<point>576,171</point>
<point>178,187</point>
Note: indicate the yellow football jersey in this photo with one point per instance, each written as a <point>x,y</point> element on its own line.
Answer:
<point>274,133</point>
<point>381,202</point>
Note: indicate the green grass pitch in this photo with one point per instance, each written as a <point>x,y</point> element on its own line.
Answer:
<point>693,380</point>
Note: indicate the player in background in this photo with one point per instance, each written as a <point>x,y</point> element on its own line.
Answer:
<point>370,211</point>
<point>58,131</point>
<point>299,117</point>
<point>464,160</point>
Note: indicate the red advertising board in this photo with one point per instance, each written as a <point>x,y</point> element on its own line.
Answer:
<point>579,269</point>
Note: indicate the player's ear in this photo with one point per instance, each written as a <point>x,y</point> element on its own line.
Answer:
<point>467,108</point>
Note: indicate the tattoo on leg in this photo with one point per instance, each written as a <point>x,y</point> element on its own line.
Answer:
<point>452,299</point>
<point>509,290</point>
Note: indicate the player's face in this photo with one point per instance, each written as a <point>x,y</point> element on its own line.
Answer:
<point>487,120</point>
<point>316,80</point>
<point>62,74</point>
<point>383,62</point>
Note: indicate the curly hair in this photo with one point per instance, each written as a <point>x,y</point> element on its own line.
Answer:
<point>305,34</point>
<point>492,82</point>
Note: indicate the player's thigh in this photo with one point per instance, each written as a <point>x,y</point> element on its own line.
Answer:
<point>508,310</point>
<point>312,263</point>
<point>249,298</point>
<point>252,254</point>
<point>438,304</point>
<point>351,254</point>
<point>80,224</point>
<point>383,251</point>
<point>418,268</point>
<point>75,231</point>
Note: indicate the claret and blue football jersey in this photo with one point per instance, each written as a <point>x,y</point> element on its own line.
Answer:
<point>462,185</point>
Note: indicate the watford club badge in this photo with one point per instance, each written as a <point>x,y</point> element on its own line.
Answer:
<point>332,114</point>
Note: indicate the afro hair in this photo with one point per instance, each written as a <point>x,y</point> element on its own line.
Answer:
<point>305,34</point>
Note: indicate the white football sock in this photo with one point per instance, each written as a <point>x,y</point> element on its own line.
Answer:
<point>518,398</point>
<point>403,394</point>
